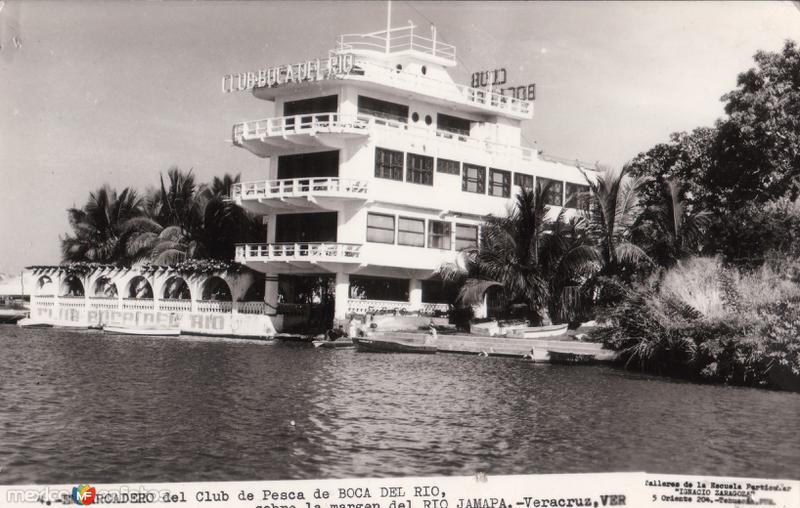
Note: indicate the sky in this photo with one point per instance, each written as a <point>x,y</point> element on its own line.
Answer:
<point>117,92</point>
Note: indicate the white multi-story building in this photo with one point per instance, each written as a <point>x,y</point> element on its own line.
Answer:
<point>380,168</point>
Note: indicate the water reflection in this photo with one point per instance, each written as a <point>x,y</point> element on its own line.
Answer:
<point>114,409</point>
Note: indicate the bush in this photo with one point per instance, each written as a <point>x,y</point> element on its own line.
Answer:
<point>708,322</point>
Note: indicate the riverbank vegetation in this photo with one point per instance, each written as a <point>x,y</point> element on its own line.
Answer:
<point>689,254</point>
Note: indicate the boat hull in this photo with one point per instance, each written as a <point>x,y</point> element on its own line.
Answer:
<point>118,330</point>
<point>337,344</point>
<point>374,345</point>
<point>31,323</point>
<point>538,332</point>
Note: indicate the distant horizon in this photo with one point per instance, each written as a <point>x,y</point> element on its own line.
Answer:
<point>136,89</point>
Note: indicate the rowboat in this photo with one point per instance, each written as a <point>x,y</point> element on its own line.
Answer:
<point>569,357</point>
<point>538,332</point>
<point>121,330</point>
<point>33,323</point>
<point>340,343</point>
<point>389,345</point>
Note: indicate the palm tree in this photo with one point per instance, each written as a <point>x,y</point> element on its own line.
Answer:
<point>672,231</point>
<point>99,226</point>
<point>613,214</point>
<point>527,256</point>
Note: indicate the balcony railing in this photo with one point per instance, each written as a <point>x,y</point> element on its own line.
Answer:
<point>175,305</point>
<point>364,306</point>
<point>214,306</point>
<point>299,187</point>
<point>137,304</point>
<point>396,40</point>
<point>252,307</point>
<point>331,252</point>
<point>104,302</point>
<point>296,124</point>
<point>368,122</point>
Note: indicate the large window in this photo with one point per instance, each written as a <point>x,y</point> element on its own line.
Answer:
<point>439,234</point>
<point>552,190</point>
<point>380,228</point>
<point>378,288</point>
<point>448,166</point>
<point>388,164</point>
<point>411,232</point>
<point>577,196</point>
<point>452,124</point>
<point>382,109</point>
<point>474,178</point>
<point>524,181</point>
<point>466,236</point>
<point>305,227</point>
<point>328,104</point>
<point>436,291</point>
<point>499,183</point>
<point>420,169</point>
<point>308,165</point>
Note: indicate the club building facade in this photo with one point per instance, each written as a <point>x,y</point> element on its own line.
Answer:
<point>379,169</point>
<point>378,166</point>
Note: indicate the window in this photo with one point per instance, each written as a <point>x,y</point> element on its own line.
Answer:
<point>308,165</point>
<point>411,232</point>
<point>474,179</point>
<point>452,124</point>
<point>388,164</point>
<point>466,236</point>
<point>328,104</point>
<point>380,228</point>
<point>382,109</point>
<point>577,196</point>
<point>523,180</point>
<point>439,234</point>
<point>436,291</point>
<point>551,189</point>
<point>378,288</point>
<point>420,169</point>
<point>499,183</point>
<point>448,166</point>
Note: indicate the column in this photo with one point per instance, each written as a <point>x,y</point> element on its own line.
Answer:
<point>415,294</point>
<point>342,295</point>
<point>271,294</point>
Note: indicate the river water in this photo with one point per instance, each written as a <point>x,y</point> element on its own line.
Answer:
<point>78,405</point>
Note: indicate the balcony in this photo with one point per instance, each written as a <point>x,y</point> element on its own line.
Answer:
<point>311,194</point>
<point>320,130</point>
<point>286,257</point>
<point>398,42</point>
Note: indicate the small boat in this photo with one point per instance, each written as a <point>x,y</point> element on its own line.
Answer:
<point>11,316</point>
<point>121,330</point>
<point>33,323</point>
<point>538,332</point>
<point>388,345</point>
<point>339,343</point>
<point>569,357</point>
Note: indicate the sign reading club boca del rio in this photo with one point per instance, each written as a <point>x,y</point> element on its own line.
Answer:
<point>310,70</point>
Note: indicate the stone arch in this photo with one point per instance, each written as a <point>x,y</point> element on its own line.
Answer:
<point>176,288</point>
<point>103,286</point>
<point>216,288</point>
<point>255,292</point>
<point>139,287</point>
<point>72,285</point>
<point>45,286</point>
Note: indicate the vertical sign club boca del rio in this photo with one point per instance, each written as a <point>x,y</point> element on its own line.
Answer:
<point>310,70</point>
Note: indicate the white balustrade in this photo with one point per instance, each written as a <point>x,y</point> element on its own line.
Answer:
<point>299,187</point>
<point>215,306</point>
<point>45,301</point>
<point>252,307</point>
<point>367,306</point>
<point>175,305</point>
<point>297,124</point>
<point>334,252</point>
<point>72,302</point>
<point>137,304</point>
<point>433,308</point>
<point>104,302</point>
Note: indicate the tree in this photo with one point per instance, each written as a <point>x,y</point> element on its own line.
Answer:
<point>99,226</point>
<point>758,145</point>
<point>614,211</point>
<point>670,231</point>
<point>527,256</point>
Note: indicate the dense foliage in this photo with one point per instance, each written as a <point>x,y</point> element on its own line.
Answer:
<point>171,224</point>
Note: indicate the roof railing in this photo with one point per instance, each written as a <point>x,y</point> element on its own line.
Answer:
<point>397,40</point>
